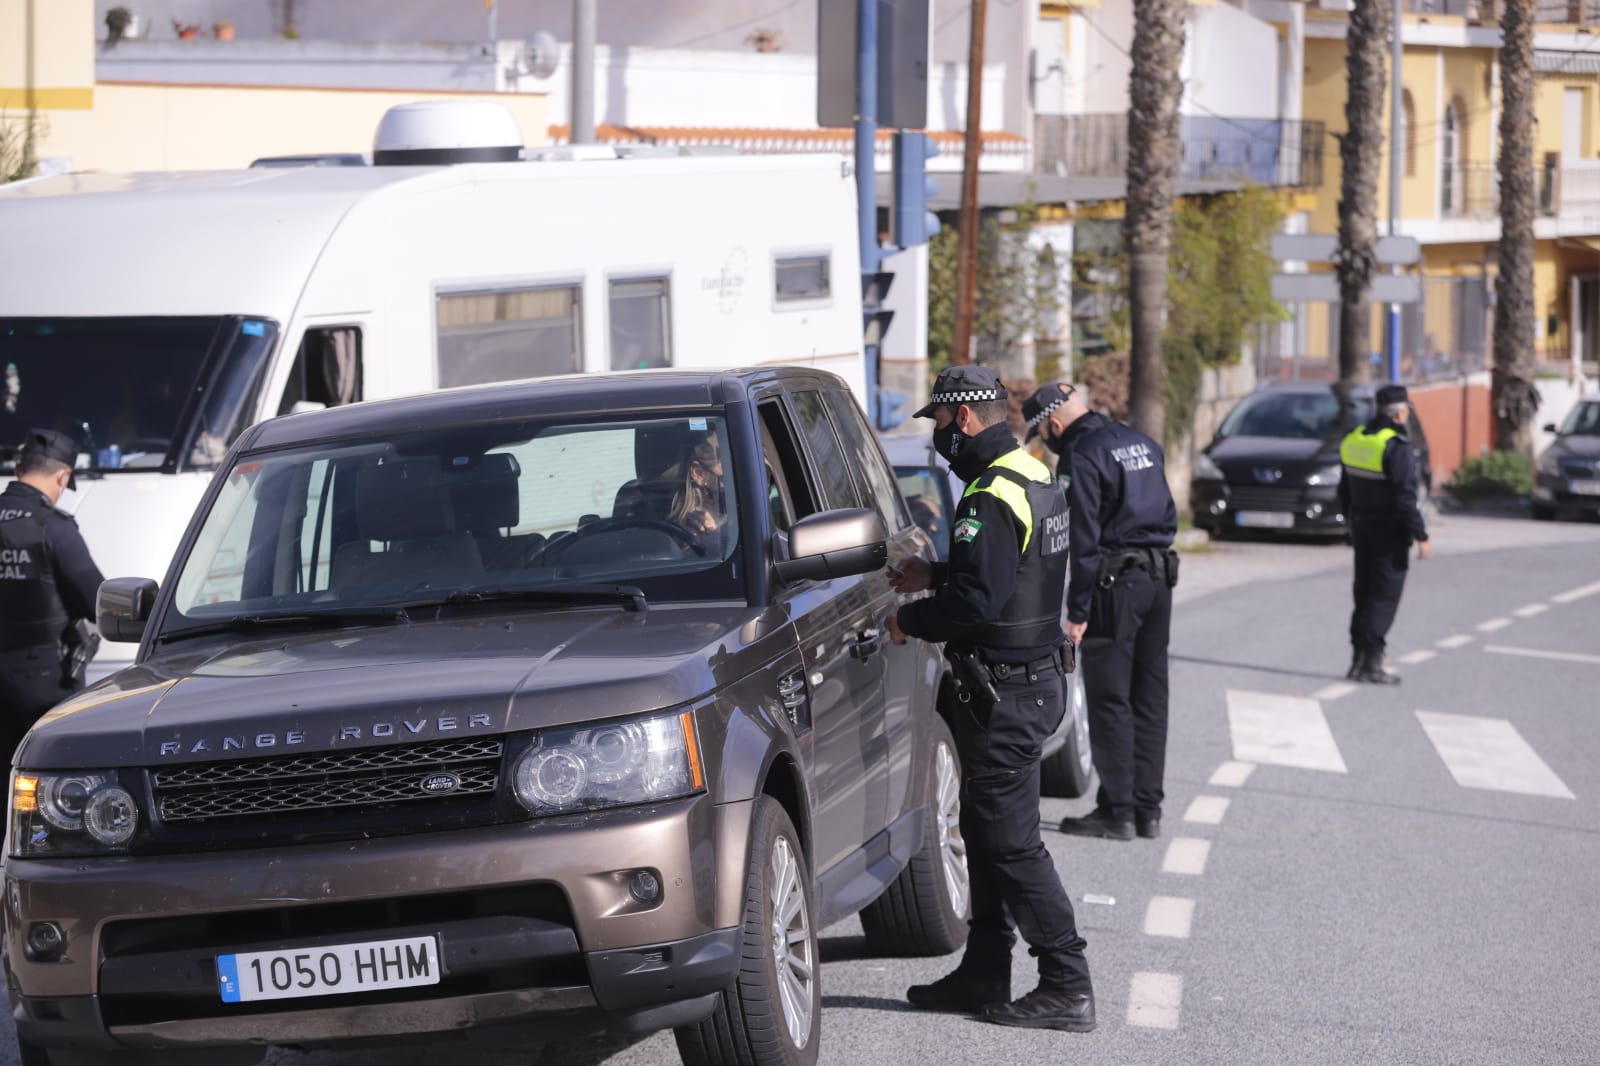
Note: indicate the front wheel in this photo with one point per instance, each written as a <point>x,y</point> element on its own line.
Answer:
<point>772,1014</point>
<point>1066,773</point>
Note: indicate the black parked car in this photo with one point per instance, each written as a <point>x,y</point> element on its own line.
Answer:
<point>1274,464</point>
<point>1568,481</point>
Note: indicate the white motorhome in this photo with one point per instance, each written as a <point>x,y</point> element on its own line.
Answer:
<point>154,316</point>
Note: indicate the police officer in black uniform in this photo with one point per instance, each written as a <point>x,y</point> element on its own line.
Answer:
<point>47,585</point>
<point>1378,491</point>
<point>1119,603</point>
<point>997,609</point>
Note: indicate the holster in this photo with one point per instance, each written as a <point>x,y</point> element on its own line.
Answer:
<point>974,683</point>
<point>78,644</point>
<point>1160,563</point>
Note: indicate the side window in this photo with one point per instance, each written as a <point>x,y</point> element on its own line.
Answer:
<point>786,462</point>
<point>641,334</point>
<point>862,453</point>
<point>327,369</point>
<point>840,488</point>
<point>780,508</point>
<point>508,334</point>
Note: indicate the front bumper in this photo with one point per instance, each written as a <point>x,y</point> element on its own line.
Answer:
<point>1555,492</point>
<point>535,925</point>
<point>1312,509</point>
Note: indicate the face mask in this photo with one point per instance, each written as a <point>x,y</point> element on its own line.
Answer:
<point>947,442</point>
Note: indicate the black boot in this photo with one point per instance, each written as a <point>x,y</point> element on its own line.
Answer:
<point>1357,664</point>
<point>1373,673</point>
<point>1045,1009</point>
<point>962,991</point>
<point>1098,823</point>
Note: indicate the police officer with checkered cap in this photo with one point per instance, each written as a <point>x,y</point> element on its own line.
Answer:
<point>996,607</point>
<point>47,585</point>
<point>1119,602</point>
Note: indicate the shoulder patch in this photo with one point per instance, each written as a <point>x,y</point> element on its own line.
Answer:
<point>967,529</point>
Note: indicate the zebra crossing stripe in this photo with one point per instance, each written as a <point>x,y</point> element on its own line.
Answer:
<point>1489,753</point>
<point>1282,731</point>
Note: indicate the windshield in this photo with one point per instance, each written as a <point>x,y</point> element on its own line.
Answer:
<point>490,508</point>
<point>1302,415</point>
<point>135,393</point>
<point>1584,421</point>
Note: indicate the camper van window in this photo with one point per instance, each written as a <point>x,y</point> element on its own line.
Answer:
<point>327,369</point>
<point>506,334</point>
<point>801,277</point>
<point>641,337</point>
<point>119,386</point>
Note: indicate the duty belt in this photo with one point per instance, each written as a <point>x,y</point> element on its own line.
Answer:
<point>1113,565</point>
<point>1003,671</point>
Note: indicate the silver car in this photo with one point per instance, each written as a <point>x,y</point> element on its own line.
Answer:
<point>932,492</point>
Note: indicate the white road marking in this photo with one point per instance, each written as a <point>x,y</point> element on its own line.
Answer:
<point>1532,610</point>
<point>1577,594</point>
<point>1420,656</point>
<point>1169,916</point>
<point>1282,731</point>
<point>1186,855</point>
<point>1489,753</point>
<point>1334,691</point>
<point>1231,774</point>
<point>1540,653</point>
<point>1207,810</point>
<point>1154,1000</point>
<point>1460,640</point>
<point>1493,625</point>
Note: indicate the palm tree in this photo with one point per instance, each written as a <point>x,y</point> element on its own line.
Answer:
<point>1154,155</point>
<point>1515,398</point>
<point>1359,152</point>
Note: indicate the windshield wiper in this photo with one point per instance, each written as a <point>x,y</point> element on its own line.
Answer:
<point>309,619</point>
<point>629,596</point>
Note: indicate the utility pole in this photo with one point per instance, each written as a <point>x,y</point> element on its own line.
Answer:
<point>584,19</point>
<point>967,246</point>
<point>866,131</point>
<point>1396,112</point>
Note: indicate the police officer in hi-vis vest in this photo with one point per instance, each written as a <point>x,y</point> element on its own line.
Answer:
<point>47,587</point>
<point>996,607</point>
<point>1378,492</point>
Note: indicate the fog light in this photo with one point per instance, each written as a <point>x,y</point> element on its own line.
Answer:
<point>645,887</point>
<point>1314,511</point>
<point>45,941</point>
<point>1218,506</point>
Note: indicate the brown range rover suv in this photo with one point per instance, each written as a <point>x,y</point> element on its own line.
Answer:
<point>496,714</point>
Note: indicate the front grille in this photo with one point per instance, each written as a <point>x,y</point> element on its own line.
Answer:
<point>325,781</point>
<point>1276,498</point>
<point>1580,469</point>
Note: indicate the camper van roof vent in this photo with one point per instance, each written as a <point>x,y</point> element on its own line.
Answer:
<point>435,132</point>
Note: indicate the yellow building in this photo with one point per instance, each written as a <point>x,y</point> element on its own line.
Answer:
<point>47,83</point>
<point>1449,182</point>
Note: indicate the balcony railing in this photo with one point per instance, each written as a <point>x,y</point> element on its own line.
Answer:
<point>1565,12</point>
<point>1215,149</point>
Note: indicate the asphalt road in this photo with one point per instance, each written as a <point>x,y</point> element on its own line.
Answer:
<point>1347,874</point>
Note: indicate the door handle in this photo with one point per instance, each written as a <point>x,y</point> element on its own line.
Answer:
<point>864,645</point>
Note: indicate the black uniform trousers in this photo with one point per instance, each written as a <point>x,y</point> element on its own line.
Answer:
<point>1381,565</point>
<point>30,684</point>
<point>1012,875</point>
<point>1125,680</point>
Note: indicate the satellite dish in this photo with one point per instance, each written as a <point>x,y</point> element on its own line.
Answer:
<point>543,53</point>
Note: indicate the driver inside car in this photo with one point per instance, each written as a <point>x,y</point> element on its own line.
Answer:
<point>698,503</point>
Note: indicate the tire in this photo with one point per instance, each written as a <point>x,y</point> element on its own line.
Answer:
<point>1067,773</point>
<point>924,910</point>
<point>772,1014</point>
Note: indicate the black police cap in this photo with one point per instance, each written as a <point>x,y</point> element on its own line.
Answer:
<point>52,444</point>
<point>967,383</point>
<point>1392,394</point>
<point>1043,402</point>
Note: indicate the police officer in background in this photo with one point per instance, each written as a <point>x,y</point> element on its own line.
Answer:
<point>1379,495</point>
<point>1119,603</point>
<point>47,588</point>
<point>997,609</point>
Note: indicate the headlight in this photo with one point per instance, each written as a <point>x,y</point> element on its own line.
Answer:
<point>610,764</point>
<point>1548,466</point>
<point>1206,469</point>
<point>1326,475</point>
<point>73,812</point>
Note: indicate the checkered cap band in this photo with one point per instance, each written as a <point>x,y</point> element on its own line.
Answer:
<point>1044,414</point>
<point>968,396</point>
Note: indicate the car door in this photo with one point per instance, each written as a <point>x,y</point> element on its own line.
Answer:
<point>838,642</point>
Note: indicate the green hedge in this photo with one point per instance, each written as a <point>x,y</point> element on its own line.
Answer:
<point>1491,476</point>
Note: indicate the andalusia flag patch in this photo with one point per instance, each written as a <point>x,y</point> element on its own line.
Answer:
<point>966,529</point>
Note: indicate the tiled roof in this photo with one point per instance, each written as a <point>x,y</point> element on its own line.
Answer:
<point>758,139</point>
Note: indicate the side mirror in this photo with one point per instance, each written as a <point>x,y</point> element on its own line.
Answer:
<point>1550,427</point>
<point>834,544</point>
<point>122,608</point>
